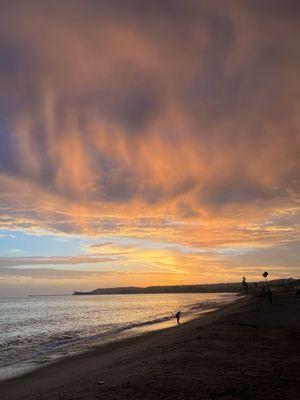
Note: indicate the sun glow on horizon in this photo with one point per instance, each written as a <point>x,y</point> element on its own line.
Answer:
<point>153,145</point>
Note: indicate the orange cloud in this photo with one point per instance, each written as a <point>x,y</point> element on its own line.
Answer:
<point>174,124</point>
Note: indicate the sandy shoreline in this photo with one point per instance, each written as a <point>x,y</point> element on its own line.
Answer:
<point>246,350</point>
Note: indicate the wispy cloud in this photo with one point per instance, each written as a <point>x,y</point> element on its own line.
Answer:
<point>54,260</point>
<point>170,122</point>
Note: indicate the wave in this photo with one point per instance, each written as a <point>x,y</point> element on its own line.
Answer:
<point>20,349</point>
<point>44,347</point>
<point>69,338</point>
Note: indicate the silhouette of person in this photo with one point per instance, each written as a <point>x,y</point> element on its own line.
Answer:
<point>269,292</point>
<point>178,317</point>
<point>245,285</point>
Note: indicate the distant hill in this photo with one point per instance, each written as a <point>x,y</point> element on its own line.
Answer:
<point>235,287</point>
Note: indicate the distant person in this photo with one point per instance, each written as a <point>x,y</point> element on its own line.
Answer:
<point>269,292</point>
<point>245,285</point>
<point>178,317</point>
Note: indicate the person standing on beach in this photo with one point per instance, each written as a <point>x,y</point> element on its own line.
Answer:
<point>269,292</point>
<point>245,285</point>
<point>178,317</point>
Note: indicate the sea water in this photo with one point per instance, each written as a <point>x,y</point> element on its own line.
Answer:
<point>38,330</point>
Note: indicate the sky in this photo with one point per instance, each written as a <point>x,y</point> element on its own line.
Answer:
<point>148,143</point>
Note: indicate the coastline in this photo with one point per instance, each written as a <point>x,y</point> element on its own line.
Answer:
<point>104,320</point>
<point>184,361</point>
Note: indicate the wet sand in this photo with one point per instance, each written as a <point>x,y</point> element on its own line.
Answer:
<point>247,350</point>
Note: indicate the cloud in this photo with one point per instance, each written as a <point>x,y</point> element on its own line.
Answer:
<point>53,260</point>
<point>160,120</point>
<point>100,245</point>
<point>50,273</point>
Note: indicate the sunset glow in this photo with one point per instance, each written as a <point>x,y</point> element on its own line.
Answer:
<point>152,143</point>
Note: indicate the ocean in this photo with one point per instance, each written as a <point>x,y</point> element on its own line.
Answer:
<point>39,330</point>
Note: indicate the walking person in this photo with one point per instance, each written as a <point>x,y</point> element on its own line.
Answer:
<point>178,314</point>
<point>245,285</point>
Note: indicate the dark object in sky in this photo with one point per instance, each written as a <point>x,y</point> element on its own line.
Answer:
<point>265,274</point>
<point>178,317</point>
